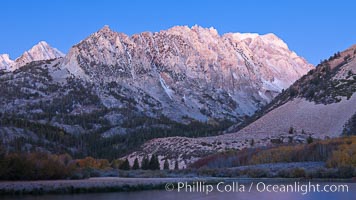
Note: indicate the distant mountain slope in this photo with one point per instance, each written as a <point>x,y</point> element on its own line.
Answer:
<point>192,72</point>
<point>332,82</point>
<point>321,104</point>
<point>41,51</point>
<point>112,92</point>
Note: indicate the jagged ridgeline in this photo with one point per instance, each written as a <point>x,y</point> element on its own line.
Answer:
<point>112,92</point>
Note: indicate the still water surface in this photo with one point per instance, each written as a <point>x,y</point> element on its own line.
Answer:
<point>182,195</point>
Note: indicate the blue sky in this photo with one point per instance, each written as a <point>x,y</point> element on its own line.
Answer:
<point>313,29</point>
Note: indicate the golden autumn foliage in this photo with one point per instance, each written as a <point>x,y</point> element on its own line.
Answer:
<point>41,166</point>
<point>337,152</point>
<point>280,154</point>
<point>90,162</point>
<point>344,156</point>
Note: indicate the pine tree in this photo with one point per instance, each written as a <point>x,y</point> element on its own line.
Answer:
<point>252,142</point>
<point>154,163</point>
<point>145,163</point>
<point>176,166</point>
<point>166,165</point>
<point>291,130</point>
<point>2,151</point>
<point>125,165</point>
<point>136,165</point>
<point>157,164</point>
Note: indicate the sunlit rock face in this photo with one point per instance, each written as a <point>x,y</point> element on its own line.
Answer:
<point>112,84</point>
<point>41,51</point>
<point>192,72</point>
<point>5,62</point>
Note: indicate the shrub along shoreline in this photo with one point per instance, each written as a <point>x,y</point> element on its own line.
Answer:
<point>327,159</point>
<point>337,155</point>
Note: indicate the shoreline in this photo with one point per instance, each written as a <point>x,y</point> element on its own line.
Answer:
<point>91,185</point>
<point>119,184</point>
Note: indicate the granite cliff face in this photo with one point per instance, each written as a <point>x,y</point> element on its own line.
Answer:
<point>192,72</point>
<point>140,86</point>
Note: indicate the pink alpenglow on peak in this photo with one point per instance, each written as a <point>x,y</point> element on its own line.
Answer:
<point>41,51</point>
<point>251,68</point>
<point>5,62</point>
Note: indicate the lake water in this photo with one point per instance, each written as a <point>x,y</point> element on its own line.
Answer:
<point>259,193</point>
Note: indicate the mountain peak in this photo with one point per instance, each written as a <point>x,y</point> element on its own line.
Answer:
<point>41,51</point>
<point>5,62</point>
<point>272,38</point>
<point>106,29</point>
<point>269,38</point>
<point>198,28</point>
<point>243,36</point>
<point>5,56</point>
<point>112,55</point>
<point>43,43</point>
<point>104,32</point>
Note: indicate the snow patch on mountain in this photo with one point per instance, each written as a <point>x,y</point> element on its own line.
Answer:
<point>166,88</point>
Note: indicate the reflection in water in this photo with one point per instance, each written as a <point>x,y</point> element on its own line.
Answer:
<point>164,195</point>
